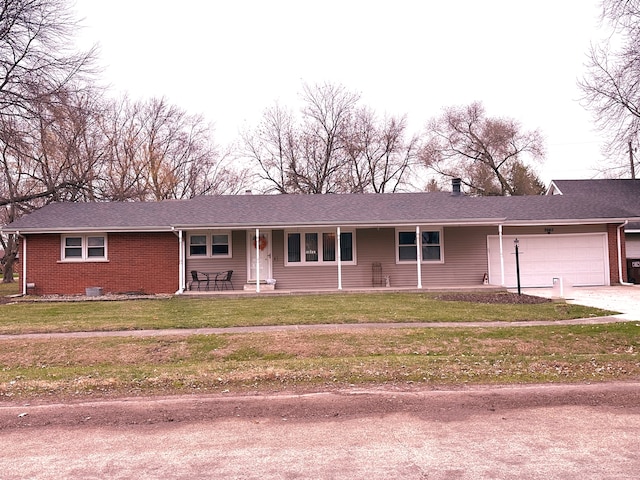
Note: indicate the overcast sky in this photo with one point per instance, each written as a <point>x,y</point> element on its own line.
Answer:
<point>231,59</point>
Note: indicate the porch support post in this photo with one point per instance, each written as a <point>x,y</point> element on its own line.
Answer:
<point>502,281</point>
<point>181,272</point>
<point>257,242</point>
<point>419,256</point>
<point>339,260</point>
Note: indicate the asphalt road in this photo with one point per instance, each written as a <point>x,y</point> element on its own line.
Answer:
<point>528,432</point>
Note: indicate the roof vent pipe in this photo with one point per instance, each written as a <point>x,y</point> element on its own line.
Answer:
<point>456,191</point>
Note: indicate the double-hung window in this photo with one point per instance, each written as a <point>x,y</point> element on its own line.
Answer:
<point>84,248</point>
<point>319,247</point>
<point>210,245</point>
<point>430,246</point>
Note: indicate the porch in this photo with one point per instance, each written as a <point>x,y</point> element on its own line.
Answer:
<point>321,291</point>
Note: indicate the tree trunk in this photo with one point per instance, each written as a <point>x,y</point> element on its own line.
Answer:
<point>9,259</point>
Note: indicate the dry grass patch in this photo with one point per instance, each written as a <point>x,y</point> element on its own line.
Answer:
<point>311,360</point>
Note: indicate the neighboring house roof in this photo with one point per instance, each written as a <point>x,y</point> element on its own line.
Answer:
<point>622,192</point>
<point>247,211</point>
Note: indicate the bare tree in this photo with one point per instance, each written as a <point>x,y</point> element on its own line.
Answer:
<point>37,54</point>
<point>483,152</point>
<point>38,64</point>
<point>49,156</point>
<point>379,154</point>
<point>120,175</point>
<point>334,146</point>
<point>611,90</point>
<point>326,114</point>
<point>157,151</point>
<point>273,147</point>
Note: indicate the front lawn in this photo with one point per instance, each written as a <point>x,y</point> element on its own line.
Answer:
<point>303,360</point>
<point>183,312</point>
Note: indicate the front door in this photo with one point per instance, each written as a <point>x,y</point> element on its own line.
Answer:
<point>259,255</point>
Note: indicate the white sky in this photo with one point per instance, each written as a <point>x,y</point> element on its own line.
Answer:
<point>231,59</point>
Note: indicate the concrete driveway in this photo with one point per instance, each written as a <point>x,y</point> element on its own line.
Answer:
<point>620,298</point>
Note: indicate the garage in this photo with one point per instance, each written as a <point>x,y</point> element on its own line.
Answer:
<point>579,259</point>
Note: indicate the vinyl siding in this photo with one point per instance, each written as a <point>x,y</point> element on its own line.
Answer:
<point>237,263</point>
<point>464,253</point>
<point>633,245</point>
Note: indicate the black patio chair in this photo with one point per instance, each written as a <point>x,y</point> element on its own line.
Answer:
<point>223,280</point>
<point>199,278</point>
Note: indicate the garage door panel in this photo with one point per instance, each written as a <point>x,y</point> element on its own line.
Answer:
<point>580,259</point>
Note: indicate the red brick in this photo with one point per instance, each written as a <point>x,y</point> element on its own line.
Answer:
<point>137,262</point>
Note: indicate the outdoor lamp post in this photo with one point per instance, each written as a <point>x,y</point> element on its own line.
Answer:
<point>516,242</point>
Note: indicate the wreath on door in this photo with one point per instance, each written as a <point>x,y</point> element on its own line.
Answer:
<point>262,242</point>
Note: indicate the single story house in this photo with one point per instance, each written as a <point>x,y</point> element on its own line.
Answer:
<point>625,192</point>
<point>303,242</point>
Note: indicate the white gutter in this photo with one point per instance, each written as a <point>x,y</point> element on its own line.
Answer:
<point>24,263</point>
<point>418,256</point>
<point>339,260</point>
<point>502,280</point>
<point>619,245</point>
<point>356,224</point>
<point>110,229</point>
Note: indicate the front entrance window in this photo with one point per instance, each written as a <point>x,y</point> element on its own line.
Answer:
<point>319,247</point>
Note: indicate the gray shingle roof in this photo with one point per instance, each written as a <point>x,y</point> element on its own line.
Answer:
<point>623,192</point>
<point>602,186</point>
<point>247,211</point>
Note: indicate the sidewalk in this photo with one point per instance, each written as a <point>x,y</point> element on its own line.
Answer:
<point>320,327</point>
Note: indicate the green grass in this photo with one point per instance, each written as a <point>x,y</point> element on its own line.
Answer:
<point>10,288</point>
<point>182,312</point>
<point>315,360</point>
<point>301,359</point>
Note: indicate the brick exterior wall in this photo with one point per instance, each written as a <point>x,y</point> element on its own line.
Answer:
<point>137,262</point>
<point>612,236</point>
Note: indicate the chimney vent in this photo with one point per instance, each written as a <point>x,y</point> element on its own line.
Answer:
<point>456,191</point>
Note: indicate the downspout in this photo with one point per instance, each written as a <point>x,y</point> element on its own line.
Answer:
<point>501,256</point>
<point>619,242</point>
<point>257,242</point>
<point>181,261</point>
<point>339,261</point>
<point>418,255</point>
<point>24,263</point>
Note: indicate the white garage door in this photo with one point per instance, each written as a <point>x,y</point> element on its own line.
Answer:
<point>580,259</point>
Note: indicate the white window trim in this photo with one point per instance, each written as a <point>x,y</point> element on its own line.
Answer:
<point>85,248</point>
<point>209,245</point>
<point>422,230</point>
<point>303,261</point>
